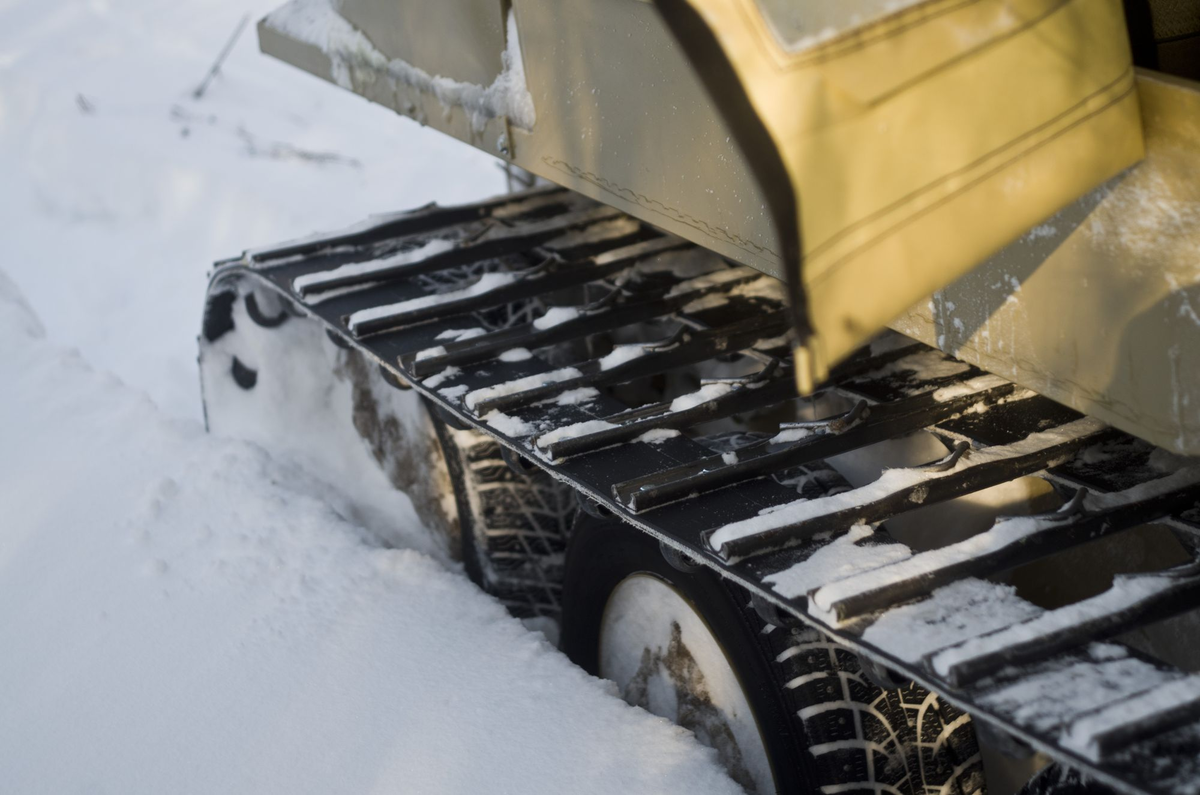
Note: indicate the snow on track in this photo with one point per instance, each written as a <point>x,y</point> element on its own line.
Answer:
<point>181,613</point>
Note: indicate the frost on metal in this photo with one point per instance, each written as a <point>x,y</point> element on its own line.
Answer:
<point>309,281</point>
<point>353,57</point>
<point>520,385</point>
<point>485,283</point>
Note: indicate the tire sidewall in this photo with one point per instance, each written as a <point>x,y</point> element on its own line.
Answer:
<point>453,456</point>
<point>603,553</point>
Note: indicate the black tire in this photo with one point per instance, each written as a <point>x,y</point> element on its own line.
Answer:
<point>903,741</point>
<point>513,527</point>
<point>1058,779</point>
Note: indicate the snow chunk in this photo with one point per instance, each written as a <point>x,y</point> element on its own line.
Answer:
<point>515,355</point>
<point>555,315</point>
<point>434,381</point>
<point>790,435</point>
<point>624,353</point>
<point>521,385</point>
<point>509,426</point>
<point>952,614</point>
<point>429,353</point>
<point>840,558</point>
<point>573,431</point>
<point>657,435</point>
<point>925,366</point>
<point>459,334</point>
<point>969,387</point>
<point>705,394</point>
<point>573,397</point>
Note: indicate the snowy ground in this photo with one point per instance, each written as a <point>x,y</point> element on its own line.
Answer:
<point>181,612</point>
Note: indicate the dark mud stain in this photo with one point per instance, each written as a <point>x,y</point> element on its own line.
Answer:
<point>412,463</point>
<point>696,711</point>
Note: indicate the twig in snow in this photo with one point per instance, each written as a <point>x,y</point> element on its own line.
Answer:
<point>216,67</point>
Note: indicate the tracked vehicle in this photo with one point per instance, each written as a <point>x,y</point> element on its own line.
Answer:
<point>829,383</point>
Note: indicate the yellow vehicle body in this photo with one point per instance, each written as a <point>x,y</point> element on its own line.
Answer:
<point>905,183</point>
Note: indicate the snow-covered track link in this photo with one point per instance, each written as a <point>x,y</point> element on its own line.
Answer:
<point>619,358</point>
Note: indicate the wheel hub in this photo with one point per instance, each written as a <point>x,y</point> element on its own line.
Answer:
<point>664,658</point>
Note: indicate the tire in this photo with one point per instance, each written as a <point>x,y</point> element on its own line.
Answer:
<point>823,722</point>
<point>513,527</point>
<point>1058,779</point>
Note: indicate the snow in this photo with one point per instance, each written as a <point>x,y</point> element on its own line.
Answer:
<point>555,316</point>
<point>573,431</point>
<point>792,435</point>
<point>647,626</point>
<point>1126,592</point>
<point>523,384</point>
<point>574,397</point>
<point>840,558</point>
<point>800,510</point>
<point>302,408</point>
<point>430,353</point>
<point>1004,534</point>
<point>515,355</point>
<point>185,612</point>
<point>120,211</point>
<point>1051,699</point>
<point>706,394</point>
<point>460,334</point>
<point>434,381</point>
<point>969,387</point>
<point>1084,733</point>
<point>484,284</point>
<point>198,617</point>
<point>952,614</point>
<point>622,354</point>
<point>893,480</point>
<point>925,365</point>
<point>657,435</point>
<point>309,281</point>
<point>509,426</point>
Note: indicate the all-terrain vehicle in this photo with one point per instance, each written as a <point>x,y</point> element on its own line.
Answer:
<point>829,383</point>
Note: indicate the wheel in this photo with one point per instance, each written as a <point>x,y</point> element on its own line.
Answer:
<point>513,526</point>
<point>786,710</point>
